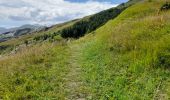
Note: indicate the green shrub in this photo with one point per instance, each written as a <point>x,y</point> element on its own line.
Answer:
<point>26,42</point>
<point>164,59</point>
<point>166,6</point>
<point>149,0</point>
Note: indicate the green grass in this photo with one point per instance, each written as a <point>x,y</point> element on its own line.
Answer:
<point>35,73</point>
<point>128,58</point>
<point>15,42</point>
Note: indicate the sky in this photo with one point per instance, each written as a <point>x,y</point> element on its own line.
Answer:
<point>48,12</point>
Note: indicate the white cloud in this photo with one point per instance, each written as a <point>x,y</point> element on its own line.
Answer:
<point>48,11</point>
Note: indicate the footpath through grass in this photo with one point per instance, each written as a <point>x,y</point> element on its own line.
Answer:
<point>128,58</point>
<point>74,82</point>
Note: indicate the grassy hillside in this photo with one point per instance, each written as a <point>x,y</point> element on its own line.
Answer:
<point>128,58</point>
<point>72,29</point>
<point>47,34</point>
<point>35,73</point>
<point>95,21</point>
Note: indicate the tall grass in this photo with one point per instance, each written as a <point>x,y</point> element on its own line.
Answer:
<point>128,58</point>
<point>34,73</point>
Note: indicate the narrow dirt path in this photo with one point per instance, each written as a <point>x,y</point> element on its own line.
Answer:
<point>73,79</point>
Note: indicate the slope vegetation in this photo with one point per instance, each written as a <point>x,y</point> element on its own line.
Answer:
<point>128,58</point>
<point>95,21</point>
<point>72,29</point>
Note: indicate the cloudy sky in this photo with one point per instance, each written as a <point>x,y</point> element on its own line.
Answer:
<point>47,12</point>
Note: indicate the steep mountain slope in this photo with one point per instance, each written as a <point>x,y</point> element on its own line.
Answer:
<point>73,29</point>
<point>128,58</point>
<point>95,21</point>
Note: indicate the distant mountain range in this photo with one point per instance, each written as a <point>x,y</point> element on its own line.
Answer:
<point>32,27</point>
<point>6,34</point>
<point>2,30</point>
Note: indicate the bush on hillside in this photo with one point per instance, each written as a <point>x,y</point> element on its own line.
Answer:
<point>164,59</point>
<point>46,36</point>
<point>26,42</point>
<point>166,6</point>
<point>42,37</point>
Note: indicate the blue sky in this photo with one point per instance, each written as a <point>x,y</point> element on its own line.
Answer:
<point>48,12</point>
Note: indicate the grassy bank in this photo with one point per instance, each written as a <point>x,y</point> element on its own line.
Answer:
<point>128,58</point>
<point>35,73</point>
